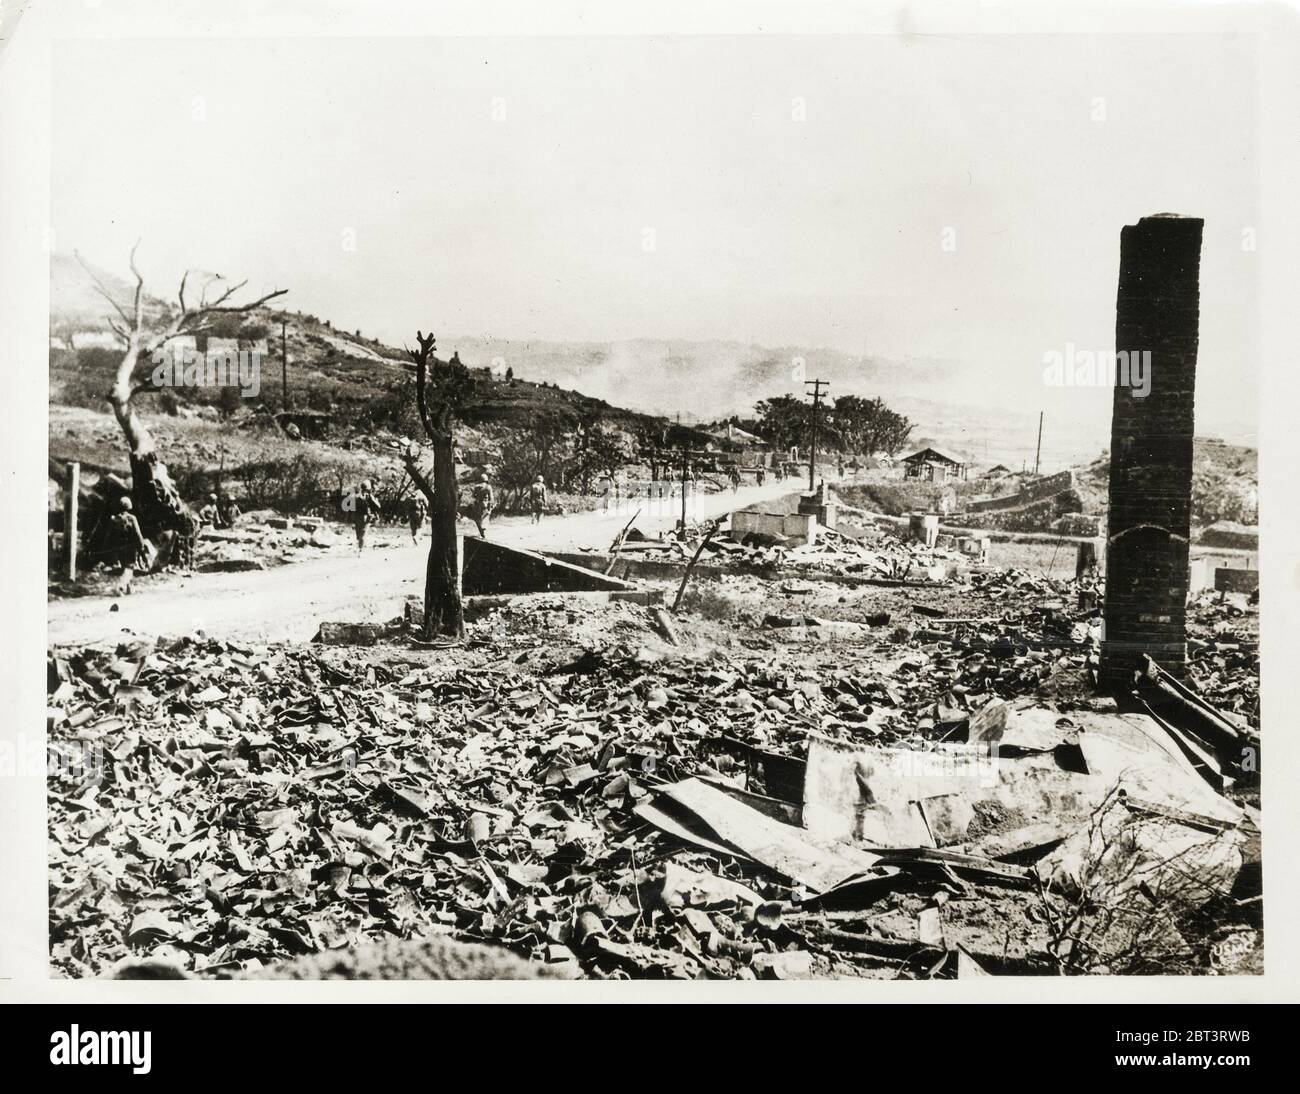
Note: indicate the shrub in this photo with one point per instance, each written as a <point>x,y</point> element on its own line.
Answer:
<point>229,401</point>
<point>86,376</point>
<point>194,483</point>
<point>301,484</point>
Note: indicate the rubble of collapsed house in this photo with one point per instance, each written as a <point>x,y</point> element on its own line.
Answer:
<point>929,806</point>
<point>851,547</point>
<point>264,539</point>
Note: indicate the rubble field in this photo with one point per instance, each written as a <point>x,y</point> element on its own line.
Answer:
<point>809,776</point>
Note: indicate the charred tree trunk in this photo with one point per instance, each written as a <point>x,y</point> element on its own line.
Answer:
<point>164,518</point>
<point>444,612</point>
<point>443,609</point>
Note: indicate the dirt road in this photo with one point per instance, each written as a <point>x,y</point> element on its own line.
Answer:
<point>288,603</point>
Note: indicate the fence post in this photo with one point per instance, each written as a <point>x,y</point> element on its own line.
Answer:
<point>70,501</point>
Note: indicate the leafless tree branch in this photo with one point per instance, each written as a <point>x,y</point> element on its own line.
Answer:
<point>427,344</point>
<point>138,307</point>
<point>101,288</point>
<point>418,477</point>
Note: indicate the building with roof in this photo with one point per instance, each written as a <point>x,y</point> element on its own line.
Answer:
<point>931,465</point>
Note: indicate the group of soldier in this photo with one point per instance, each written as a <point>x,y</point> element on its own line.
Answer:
<point>134,552</point>
<point>220,511</point>
<point>178,532</point>
<point>365,508</point>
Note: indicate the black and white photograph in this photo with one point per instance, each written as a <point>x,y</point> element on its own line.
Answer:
<point>658,504</point>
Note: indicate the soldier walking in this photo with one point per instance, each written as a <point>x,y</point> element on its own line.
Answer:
<point>484,501</point>
<point>416,513</point>
<point>364,509</point>
<point>131,548</point>
<point>537,498</point>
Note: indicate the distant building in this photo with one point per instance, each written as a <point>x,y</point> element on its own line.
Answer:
<point>931,465</point>
<point>744,437</point>
<point>997,471</point>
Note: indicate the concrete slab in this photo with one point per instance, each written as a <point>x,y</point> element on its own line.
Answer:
<point>796,528</point>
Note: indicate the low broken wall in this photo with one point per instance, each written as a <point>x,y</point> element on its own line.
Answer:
<point>1043,488</point>
<point>792,526</point>
<point>1036,516</point>
<point>493,568</point>
<point>1226,534</point>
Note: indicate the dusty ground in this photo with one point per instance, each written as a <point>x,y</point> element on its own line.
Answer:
<point>290,602</point>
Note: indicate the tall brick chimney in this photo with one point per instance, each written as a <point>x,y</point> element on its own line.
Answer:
<point>1158,309</point>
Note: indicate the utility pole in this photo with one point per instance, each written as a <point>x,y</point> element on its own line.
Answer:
<point>817,386</point>
<point>682,526</point>
<point>1039,450</point>
<point>284,366</point>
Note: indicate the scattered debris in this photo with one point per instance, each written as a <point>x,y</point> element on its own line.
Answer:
<point>617,814</point>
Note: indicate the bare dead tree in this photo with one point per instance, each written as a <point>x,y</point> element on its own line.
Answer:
<point>440,387</point>
<point>158,505</point>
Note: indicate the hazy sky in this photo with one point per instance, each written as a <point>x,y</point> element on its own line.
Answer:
<point>506,187</point>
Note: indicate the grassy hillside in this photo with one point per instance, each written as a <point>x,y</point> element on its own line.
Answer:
<point>1225,482</point>
<point>702,381</point>
<point>699,380</point>
<point>356,378</point>
<point>361,390</point>
<point>362,383</point>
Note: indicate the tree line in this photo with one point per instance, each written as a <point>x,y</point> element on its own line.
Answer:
<point>850,424</point>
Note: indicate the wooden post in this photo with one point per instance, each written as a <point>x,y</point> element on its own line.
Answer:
<point>691,565</point>
<point>1085,559</point>
<point>70,500</point>
<point>684,464</point>
<point>618,543</point>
